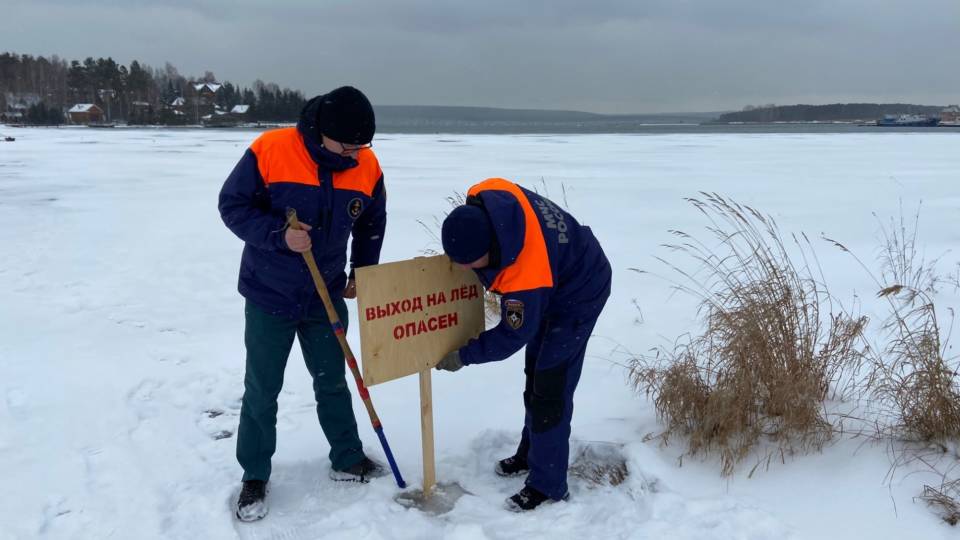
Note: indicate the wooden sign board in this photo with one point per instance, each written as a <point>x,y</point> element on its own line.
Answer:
<point>414,312</point>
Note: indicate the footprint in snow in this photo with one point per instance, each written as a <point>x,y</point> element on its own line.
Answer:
<point>217,424</point>
<point>145,390</point>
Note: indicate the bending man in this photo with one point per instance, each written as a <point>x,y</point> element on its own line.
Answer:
<point>554,280</point>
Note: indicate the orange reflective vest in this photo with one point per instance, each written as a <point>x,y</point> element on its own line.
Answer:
<point>283,157</point>
<point>531,269</point>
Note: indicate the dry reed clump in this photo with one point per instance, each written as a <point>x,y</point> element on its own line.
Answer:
<point>944,500</point>
<point>913,380</point>
<point>915,376</point>
<point>771,348</point>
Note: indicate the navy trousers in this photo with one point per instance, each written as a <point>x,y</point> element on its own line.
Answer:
<point>554,360</point>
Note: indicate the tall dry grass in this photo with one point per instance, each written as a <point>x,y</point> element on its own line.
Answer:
<point>775,346</point>
<point>913,381</point>
<point>773,341</point>
<point>944,500</point>
<point>901,260</point>
<point>915,375</point>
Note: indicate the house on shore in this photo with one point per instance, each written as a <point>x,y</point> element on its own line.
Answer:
<point>232,118</point>
<point>85,113</point>
<point>15,113</point>
<point>207,92</point>
<point>239,113</point>
<point>950,116</point>
<point>179,104</point>
<point>205,101</point>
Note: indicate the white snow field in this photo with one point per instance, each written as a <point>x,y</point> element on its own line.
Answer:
<point>121,352</point>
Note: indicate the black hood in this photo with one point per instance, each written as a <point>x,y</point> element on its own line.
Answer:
<point>307,125</point>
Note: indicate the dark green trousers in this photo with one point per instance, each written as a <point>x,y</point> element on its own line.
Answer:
<point>269,339</point>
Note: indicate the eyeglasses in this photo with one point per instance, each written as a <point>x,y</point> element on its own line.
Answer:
<point>347,148</point>
<point>355,147</point>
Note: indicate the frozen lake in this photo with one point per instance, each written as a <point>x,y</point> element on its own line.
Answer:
<point>121,354</point>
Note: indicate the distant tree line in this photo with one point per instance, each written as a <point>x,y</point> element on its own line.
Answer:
<point>41,114</point>
<point>824,113</point>
<point>136,93</point>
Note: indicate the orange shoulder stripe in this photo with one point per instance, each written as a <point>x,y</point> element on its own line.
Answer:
<point>363,177</point>
<point>531,270</point>
<point>282,157</point>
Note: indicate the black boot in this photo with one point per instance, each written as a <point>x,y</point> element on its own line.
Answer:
<point>512,466</point>
<point>251,505</point>
<point>527,499</point>
<point>361,472</point>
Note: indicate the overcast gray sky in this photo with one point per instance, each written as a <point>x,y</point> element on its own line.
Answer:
<point>610,56</point>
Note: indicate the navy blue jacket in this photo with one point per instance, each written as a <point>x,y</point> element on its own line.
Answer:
<point>337,196</point>
<point>566,283</point>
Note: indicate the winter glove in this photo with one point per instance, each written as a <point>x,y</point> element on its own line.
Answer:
<point>350,291</point>
<point>450,362</point>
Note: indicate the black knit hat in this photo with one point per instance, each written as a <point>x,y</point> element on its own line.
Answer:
<point>346,116</point>
<point>466,234</point>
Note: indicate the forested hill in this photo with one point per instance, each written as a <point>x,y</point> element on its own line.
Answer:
<point>44,88</point>
<point>825,113</point>
<point>429,119</point>
<point>55,84</point>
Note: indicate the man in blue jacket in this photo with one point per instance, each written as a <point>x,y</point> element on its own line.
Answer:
<point>325,169</point>
<point>554,280</point>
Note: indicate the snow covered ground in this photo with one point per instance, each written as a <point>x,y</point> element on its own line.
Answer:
<point>121,354</point>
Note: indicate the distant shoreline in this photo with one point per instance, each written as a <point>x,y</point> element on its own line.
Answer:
<point>547,129</point>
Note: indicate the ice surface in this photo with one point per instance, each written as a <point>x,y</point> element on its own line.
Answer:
<point>121,352</point>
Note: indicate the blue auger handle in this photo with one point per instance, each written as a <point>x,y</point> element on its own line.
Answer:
<point>393,463</point>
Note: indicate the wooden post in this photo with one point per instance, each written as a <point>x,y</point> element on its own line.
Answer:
<point>426,429</point>
<point>412,313</point>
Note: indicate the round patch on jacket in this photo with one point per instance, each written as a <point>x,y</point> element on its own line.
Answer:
<point>514,313</point>
<point>354,208</point>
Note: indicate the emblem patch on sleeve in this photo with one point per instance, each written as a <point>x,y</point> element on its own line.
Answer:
<point>354,208</point>
<point>514,313</point>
